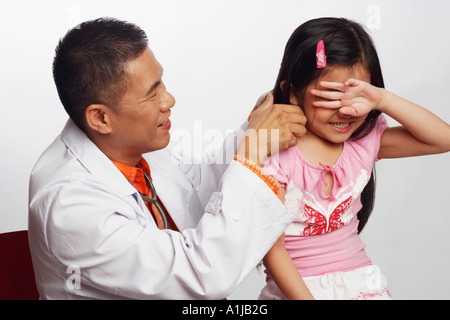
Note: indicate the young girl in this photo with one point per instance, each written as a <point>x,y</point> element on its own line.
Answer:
<point>331,70</point>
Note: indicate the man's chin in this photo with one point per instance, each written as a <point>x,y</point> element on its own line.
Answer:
<point>162,143</point>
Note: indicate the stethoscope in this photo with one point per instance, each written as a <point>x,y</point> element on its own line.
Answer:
<point>154,200</point>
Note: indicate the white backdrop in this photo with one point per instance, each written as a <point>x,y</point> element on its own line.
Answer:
<point>218,57</point>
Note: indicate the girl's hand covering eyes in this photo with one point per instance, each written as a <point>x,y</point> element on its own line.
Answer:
<point>353,98</point>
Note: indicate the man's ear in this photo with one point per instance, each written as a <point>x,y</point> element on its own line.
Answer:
<point>97,118</point>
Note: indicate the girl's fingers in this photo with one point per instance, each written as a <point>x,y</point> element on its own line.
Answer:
<point>352,82</point>
<point>333,85</point>
<point>335,104</point>
<point>348,111</point>
<point>330,95</point>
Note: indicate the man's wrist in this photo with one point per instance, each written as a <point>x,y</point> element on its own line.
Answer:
<point>271,182</point>
<point>246,151</point>
<point>254,146</point>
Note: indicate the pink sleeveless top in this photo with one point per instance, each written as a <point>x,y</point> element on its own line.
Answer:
<point>323,236</point>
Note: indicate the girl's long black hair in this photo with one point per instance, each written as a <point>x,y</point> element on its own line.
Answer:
<point>346,44</point>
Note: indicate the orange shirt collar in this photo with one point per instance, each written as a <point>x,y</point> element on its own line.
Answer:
<point>135,175</point>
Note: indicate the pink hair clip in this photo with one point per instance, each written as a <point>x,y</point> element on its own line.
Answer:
<point>321,58</point>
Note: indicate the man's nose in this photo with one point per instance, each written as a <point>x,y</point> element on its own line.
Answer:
<point>168,101</point>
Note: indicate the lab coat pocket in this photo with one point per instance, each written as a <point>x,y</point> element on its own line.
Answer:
<point>214,204</point>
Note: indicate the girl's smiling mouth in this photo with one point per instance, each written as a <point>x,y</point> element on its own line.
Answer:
<point>341,127</point>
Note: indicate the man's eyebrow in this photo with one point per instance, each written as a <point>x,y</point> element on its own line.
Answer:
<point>155,85</point>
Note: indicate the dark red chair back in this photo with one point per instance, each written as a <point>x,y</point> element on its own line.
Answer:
<point>17,280</point>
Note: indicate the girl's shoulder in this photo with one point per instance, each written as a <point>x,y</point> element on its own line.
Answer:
<point>369,145</point>
<point>282,164</point>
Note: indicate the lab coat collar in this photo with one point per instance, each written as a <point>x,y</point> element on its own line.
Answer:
<point>94,160</point>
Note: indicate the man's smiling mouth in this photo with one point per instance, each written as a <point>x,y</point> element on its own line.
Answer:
<point>164,123</point>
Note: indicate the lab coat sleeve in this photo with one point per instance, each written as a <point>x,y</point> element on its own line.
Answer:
<point>118,255</point>
<point>205,173</point>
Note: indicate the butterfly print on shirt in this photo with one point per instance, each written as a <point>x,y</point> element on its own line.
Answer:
<point>313,215</point>
<point>317,223</point>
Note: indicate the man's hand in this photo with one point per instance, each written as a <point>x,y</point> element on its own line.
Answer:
<point>259,102</point>
<point>271,128</point>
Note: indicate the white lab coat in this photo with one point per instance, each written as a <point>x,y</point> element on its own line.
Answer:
<point>91,235</point>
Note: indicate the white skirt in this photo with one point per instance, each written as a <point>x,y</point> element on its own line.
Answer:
<point>366,283</point>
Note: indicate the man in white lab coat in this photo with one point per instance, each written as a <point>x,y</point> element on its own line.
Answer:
<point>113,215</point>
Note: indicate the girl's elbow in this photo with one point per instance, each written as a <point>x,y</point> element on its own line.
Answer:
<point>446,144</point>
<point>447,148</point>
<point>443,147</point>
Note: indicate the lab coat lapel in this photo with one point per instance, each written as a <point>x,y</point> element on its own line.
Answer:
<point>97,163</point>
<point>172,187</point>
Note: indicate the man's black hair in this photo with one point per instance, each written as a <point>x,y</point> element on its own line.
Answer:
<point>90,63</point>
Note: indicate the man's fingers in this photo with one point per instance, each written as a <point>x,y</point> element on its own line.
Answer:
<point>267,102</point>
<point>298,130</point>
<point>297,118</point>
<point>262,105</point>
<point>262,99</point>
<point>288,121</point>
<point>289,109</point>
